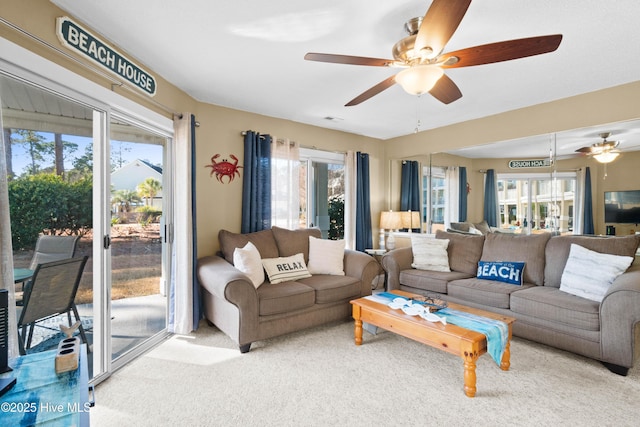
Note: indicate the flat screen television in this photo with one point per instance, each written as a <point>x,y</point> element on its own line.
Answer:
<point>622,207</point>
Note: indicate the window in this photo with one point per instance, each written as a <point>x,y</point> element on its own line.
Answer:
<point>433,198</point>
<point>322,192</point>
<point>535,203</point>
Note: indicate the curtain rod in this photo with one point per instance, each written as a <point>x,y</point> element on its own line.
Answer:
<point>114,82</point>
<point>308,147</point>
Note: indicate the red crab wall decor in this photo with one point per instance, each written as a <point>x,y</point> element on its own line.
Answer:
<point>224,168</point>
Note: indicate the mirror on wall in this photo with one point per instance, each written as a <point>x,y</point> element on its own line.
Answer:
<point>534,199</point>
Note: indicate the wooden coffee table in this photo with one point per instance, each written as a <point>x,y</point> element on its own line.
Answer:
<point>467,344</point>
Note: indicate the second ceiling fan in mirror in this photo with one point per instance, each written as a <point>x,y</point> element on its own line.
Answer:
<point>420,54</point>
<point>604,151</point>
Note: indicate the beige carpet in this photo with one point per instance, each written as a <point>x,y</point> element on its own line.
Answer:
<point>320,378</point>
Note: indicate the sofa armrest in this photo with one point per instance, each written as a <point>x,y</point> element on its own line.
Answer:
<point>394,262</point>
<point>361,266</point>
<point>224,281</point>
<point>620,319</point>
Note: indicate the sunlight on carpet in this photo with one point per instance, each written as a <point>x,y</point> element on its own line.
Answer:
<point>183,349</point>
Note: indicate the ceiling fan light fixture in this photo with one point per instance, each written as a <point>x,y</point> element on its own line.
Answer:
<point>419,79</point>
<point>606,156</point>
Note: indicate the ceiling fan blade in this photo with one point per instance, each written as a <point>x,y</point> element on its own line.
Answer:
<point>385,84</point>
<point>439,24</point>
<point>502,51</point>
<point>445,90</point>
<point>584,150</point>
<point>347,59</point>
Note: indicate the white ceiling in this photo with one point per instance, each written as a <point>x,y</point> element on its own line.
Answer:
<point>248,55</point>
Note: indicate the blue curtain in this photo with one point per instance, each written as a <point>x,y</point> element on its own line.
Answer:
<point>587,227</point>
<point>364,238</point>
<point>490,199</point>
<point>256,185</point>
<point>462,202</point>
<point>198,311</point>
<point>410,187</point>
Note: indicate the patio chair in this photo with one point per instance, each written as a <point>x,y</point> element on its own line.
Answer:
<point>53,248</point>
<point>50,248</point>
<point>50,292</point>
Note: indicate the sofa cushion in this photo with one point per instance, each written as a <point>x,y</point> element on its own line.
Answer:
<point>431,281</point>
<point>262,240</point>
<point>284,297</point>
<point>557,252</point>
<point>285,269</point>
<point>529,249</point>
<point>486,292</point>
<point>429,253</point>
<point>326,256</point>
<point>482,227</point>
<point>589,274</point>
<point>464,251</point>
<point>460,226</point>
<point>291,242</point>
<point>544,302</point>
<point>247,260</point>
<point>331,288</point>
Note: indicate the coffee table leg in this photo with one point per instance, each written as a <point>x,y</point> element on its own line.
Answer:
<point>357,332</point>
<point>505,363</point>
<point>470,373</point>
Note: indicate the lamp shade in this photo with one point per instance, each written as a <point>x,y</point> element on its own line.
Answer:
<point>419,79</point>
<point>606,156</point>
<point>410,219</point>
<point>390,220</point>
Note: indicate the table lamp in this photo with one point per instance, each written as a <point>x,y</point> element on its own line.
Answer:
<point>410,220</point>
<point>390,220</point>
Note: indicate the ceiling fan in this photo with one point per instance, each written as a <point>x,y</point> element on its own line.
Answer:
<point>604,152</point>
<point>420,54</point>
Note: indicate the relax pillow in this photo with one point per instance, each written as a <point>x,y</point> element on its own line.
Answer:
<point>588,274</point>
<point>284,269</point>
<point>429,253</point>
<point>507,272</point>
<point>326,256</point>
<point>247,259</point>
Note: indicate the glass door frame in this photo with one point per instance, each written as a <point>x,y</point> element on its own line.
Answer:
<point>167,214</point>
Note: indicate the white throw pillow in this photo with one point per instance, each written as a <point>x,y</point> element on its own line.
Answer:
<point>429,253</point>
<point>284,269</point>
<point>247,260</point>
<point>326,256</point>
<point>474,230</point>
<point>588,274</point>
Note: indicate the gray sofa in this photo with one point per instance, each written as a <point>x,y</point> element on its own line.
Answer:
<point>608,331</point>
<point>248,314</point>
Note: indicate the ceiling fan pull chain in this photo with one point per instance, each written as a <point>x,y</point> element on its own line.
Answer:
<point>417,129</point>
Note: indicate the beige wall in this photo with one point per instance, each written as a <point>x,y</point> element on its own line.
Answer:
<point>219,204</point>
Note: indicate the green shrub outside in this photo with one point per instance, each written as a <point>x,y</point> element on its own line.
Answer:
<point>336,218</point>
<point>148,214</point>
<point>46,203</point>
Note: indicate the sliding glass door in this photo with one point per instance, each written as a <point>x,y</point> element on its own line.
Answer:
<point>137,249</point>
<point>77,168</point>
<point>537,203</point>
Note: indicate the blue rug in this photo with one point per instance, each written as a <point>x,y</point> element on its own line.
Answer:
<point>47,334</point>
